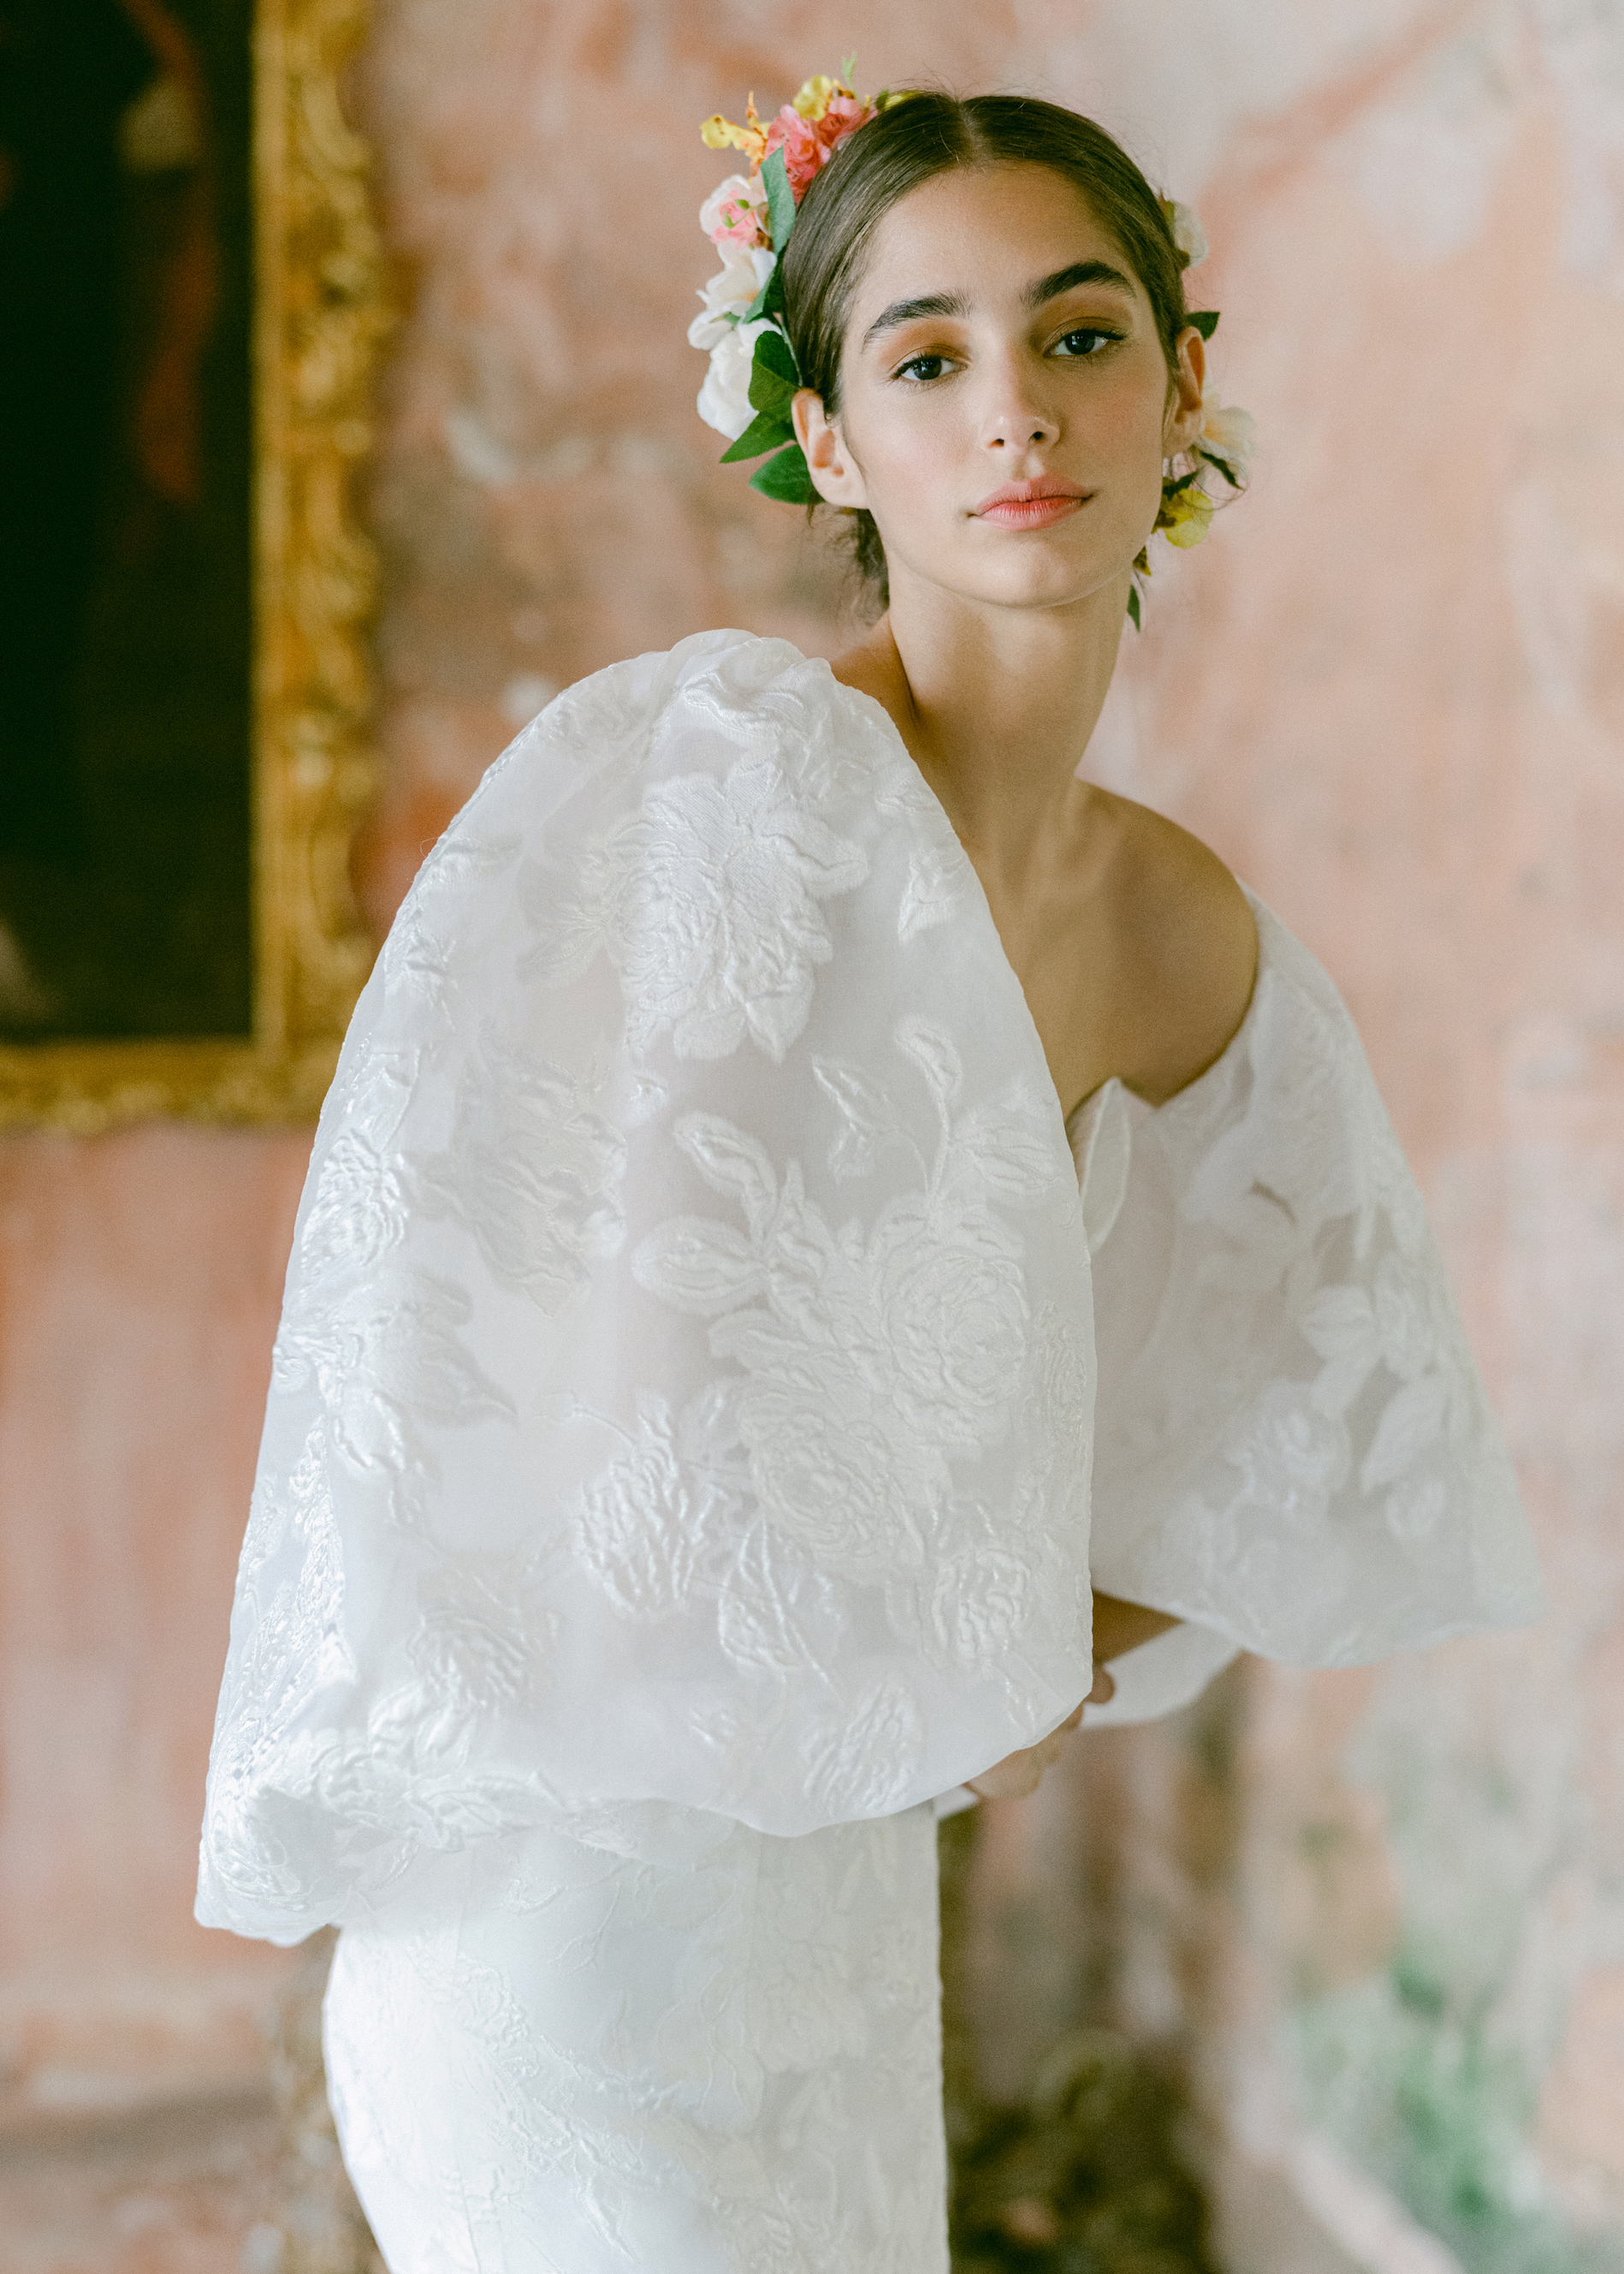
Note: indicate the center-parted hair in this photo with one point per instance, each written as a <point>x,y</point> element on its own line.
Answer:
<point>913,141</point>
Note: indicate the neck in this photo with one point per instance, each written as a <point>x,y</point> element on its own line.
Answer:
<point>997,706</point>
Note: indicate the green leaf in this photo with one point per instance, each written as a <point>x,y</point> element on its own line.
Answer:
<point>780,200</point>
<point>774,349</point>
<point>769,395</point>
<point>773,379</point>
<point>764,431</point>
<point>769,301</point>
<point>1224,468</point>
<point>1206,321</point>
<point>1171,489</point>
<point>1133,608</point>
<point>785,478</point>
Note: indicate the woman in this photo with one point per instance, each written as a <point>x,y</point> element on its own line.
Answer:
<point>678,1475</point>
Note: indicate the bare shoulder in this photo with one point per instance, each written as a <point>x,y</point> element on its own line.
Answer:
<point>1186,948</point>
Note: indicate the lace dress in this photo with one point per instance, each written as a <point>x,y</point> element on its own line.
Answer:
<point>705,1353</point>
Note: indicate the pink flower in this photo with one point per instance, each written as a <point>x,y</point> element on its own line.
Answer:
<point>734,212</point>
<point>808,144</point>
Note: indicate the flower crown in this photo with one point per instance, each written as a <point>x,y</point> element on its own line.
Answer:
<point>753,376</point>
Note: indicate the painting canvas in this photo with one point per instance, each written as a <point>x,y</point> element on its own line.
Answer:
<point>126,435</point>
<point>189,289</point>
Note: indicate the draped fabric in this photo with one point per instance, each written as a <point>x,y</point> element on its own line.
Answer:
<point>684,1388</point>
<point>680,1461</point>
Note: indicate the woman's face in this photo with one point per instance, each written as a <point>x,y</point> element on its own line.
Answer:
<point>1006,407</point>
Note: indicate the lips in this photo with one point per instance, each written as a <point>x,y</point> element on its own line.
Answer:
<point>1032,505</point>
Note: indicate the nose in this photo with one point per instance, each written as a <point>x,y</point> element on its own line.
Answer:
<point>1019,424</point>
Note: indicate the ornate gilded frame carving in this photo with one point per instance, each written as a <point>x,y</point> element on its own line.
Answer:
<point>320,311</point>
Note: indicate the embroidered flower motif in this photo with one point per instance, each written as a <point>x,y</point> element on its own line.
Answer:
<point>858,1763</point>
<point>640,1526</point>
<point>533,1169</point>
<point>868,1361</point>
<point>359,1209</point>
<point>484,1636</point>
<point>982,1603</point>
<point>387,1358</point>
<point>955,1317</point>
<point>1415,1511</point>
<point>705,901</point>
<point>1291,1454</point>
<point>1402,1321</point>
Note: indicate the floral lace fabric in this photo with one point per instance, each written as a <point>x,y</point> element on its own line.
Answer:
<point>1294,1448</point>
<point>684,1388</point>
<point>718,2050</point>
<point>679,1459</point>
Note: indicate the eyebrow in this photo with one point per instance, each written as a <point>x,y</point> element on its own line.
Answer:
<point>954,304</point>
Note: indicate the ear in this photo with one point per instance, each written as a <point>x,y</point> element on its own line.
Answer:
<point>1189,384</point>
<point>835,473</point>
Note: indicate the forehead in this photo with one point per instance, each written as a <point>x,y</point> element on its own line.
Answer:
<point>984,233</point>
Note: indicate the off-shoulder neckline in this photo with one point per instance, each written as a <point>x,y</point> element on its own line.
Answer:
<point>1261,915</point>
<point>1233,1048</point>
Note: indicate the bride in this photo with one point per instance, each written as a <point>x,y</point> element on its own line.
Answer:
<point>828,1232</point>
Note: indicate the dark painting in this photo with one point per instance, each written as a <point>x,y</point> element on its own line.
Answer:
<point>125,459</point>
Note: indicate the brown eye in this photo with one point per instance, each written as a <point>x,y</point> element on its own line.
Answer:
<point>1086,341</point>
<point>922,368</point>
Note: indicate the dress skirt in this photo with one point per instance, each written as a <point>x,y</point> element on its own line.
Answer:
<point>719,2054</point>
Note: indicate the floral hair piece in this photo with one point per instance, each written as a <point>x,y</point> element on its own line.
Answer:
<point>1223,448</point>
<point>753,375</point>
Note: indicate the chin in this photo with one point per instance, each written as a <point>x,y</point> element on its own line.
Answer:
<point>1038,575</point>
<point>1045,586</point>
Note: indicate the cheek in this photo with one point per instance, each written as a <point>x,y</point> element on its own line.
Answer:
<point>909,461</point>
<point>1128,434</point>
<point>1129,424</point>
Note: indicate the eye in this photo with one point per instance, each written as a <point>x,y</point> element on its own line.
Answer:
<point>1087,340</point>
<point>922,368</point>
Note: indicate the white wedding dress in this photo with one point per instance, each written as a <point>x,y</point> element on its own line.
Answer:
<point>704,1353</point>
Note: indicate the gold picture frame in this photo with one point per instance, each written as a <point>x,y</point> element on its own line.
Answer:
<point>319,312</point>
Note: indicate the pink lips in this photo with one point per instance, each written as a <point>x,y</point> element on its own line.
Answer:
<point>1032,505</point>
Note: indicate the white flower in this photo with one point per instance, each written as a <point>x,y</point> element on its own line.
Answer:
<point>1230,434</point>
<point>733,287</point>
<point>1188,234</point>
<point>724,400</point>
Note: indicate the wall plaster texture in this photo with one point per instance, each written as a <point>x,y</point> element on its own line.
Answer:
<point>1390,691</point>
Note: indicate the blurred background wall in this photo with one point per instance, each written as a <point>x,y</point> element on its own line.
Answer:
<point>1378,1918</point>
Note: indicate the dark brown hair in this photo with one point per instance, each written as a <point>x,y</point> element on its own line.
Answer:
<point>910,142</point>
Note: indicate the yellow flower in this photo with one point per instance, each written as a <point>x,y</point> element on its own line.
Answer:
<point>814,98</point>
<point>718,133</point>
<point>1186,516</point>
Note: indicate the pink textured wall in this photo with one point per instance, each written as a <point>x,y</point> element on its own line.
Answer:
<point>140,1280</point>
<point>1389,690</point>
